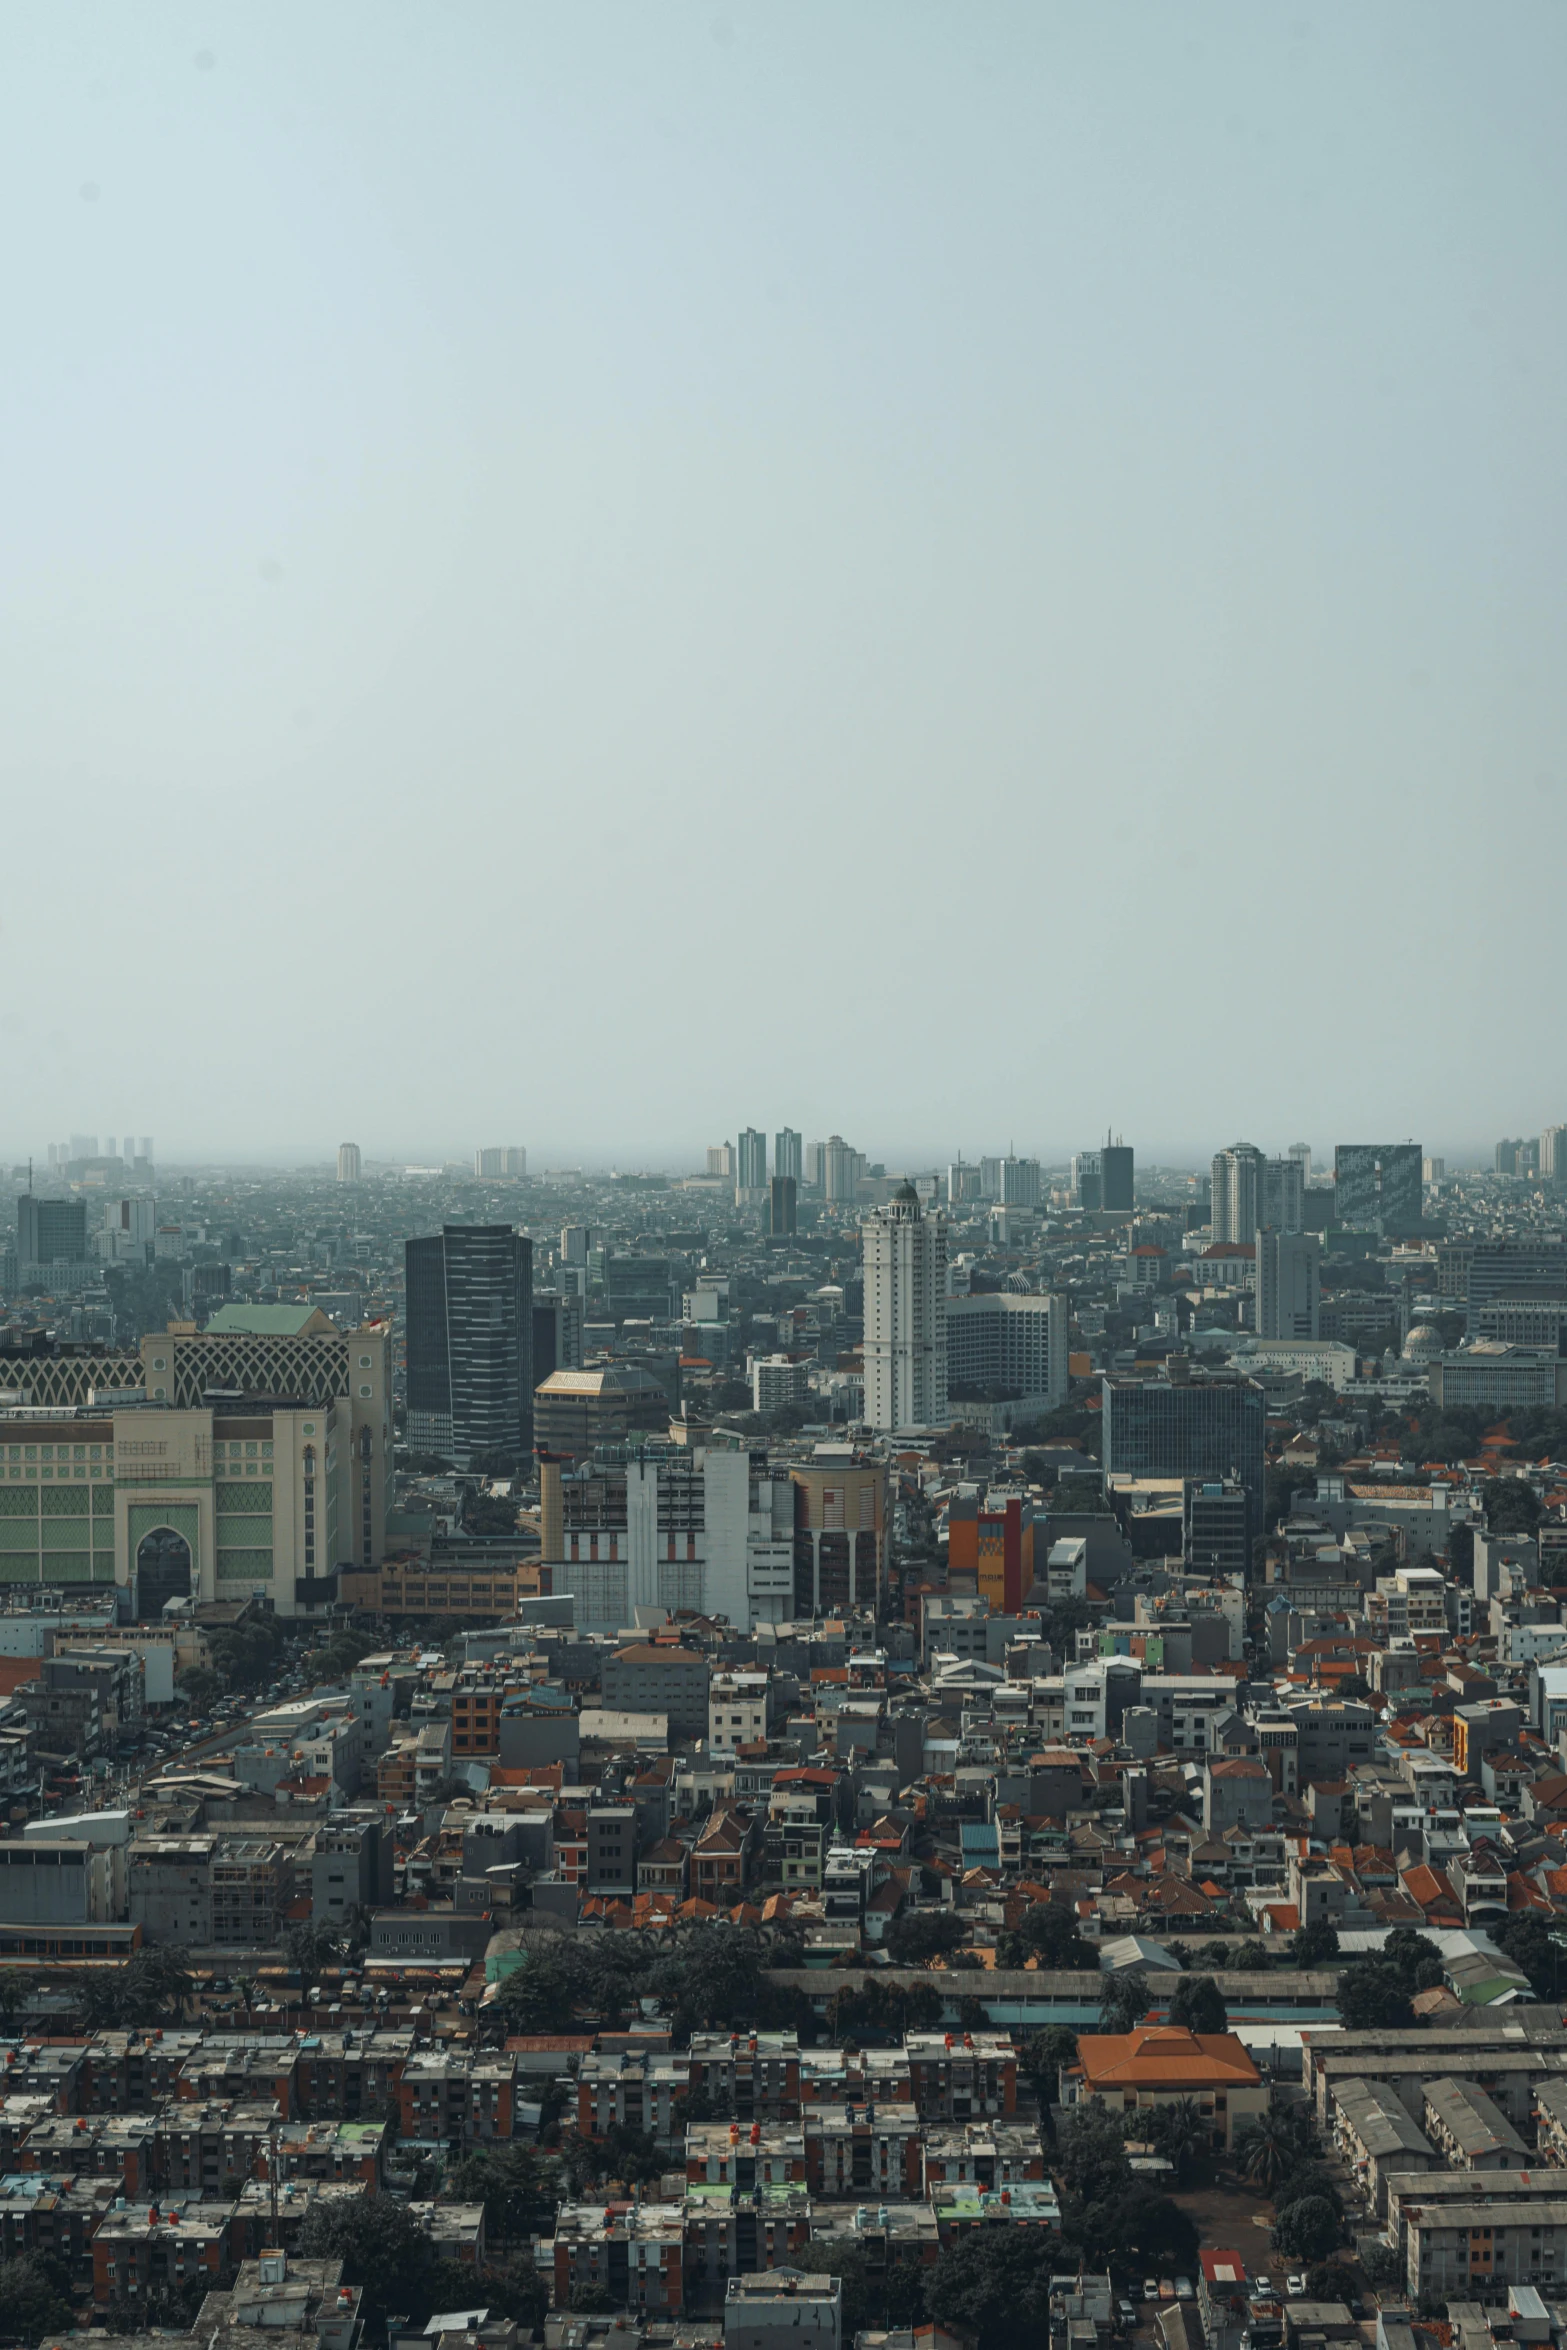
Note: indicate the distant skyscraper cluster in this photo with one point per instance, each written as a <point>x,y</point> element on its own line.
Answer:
<point>81,1156</point>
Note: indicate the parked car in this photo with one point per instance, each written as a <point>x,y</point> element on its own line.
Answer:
<point>1183,2288</point>
<point>1126,2311</point>
<point>1167,2288</point>
<point>1295,2286</point>
<point>1150,2288</point>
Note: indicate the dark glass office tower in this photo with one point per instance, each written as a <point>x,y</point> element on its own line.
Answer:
<point>50,1231</point>
<point>470,1344</point>
<point>1115,1175</point>
<point>1208,1429</point>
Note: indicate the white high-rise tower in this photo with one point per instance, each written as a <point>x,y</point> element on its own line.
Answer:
<point>905,1315</point>
<point>1237,1179</point>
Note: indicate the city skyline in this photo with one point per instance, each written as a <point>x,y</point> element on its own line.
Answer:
<point>687,1158</point>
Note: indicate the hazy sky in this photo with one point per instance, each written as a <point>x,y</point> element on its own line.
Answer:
<point>586,575</point>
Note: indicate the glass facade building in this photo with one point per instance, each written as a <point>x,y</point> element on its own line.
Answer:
<point>470,1343</point>
<point>1208,1430</point>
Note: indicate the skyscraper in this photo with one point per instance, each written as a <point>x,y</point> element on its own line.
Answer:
<point>1237,1181</point>
<point>1214,1428</point>
<point>842,1167</point>
<point>1281,1195</point>
<point>1302,1151</point>
<point>470,1343</point>
<point>1087,1182</point>
<point>751,1164</point>
<point>348,1162</point>
<point>788,1153</point>
<point>1115,1176</point>
<point>1022,1184</point>
<point>782,1214</point>
<point>905,1315</point>
<point>1377,1186</point>
<point>1289,1284</point>
<point>1553,1154</point>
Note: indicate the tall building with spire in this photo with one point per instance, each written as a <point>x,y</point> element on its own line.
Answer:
<point>905,1314</point>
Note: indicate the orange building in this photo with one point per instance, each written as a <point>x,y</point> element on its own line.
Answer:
<point>989,1545</point>
<point>1133,2072</point>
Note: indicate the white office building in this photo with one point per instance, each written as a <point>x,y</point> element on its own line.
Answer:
<point>1237,1183</point>
<point>906,1311</point>
<point>1003,1348</point>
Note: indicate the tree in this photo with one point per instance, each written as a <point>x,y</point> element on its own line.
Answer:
<point>1181,2134</point>
<point>1307,2230</point>
<point>882,2012</point>
<point>718,1971</point>
<point>994,2283</point>
<point>537,1996</point>
<point>1511,1506</point>
<point>1314,1943</point>
<point>1415,1957</point>
<point>1372,1998</point>
<point>1526,1939</point>
<point>383,2249</point>
<point>312,1949</point>
<point>150,1988</point>
<point>593,2300</point>
<point>1271,2147</point>
<point>1199,2005</point>
<point>1309,2181</point>
<point>509,2181</point>
<point>863,2287</point>
<point>515,2292</point>
<point>1091,2154</point>
<point>16,1989</point>
<point>1048,1932</point>
<point>1331,2280</point>
<point>1123,2001</point>
<point>31,2304</point>
<point>1044,2056</point>
<point>201,1687</point>
<point>1148,2231</point>
<point>916,1935</point>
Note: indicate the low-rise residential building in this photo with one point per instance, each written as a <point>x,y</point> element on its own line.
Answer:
<point>1130,2072</point>
<point>1376,2135</point>
<point>632,2092</point>
<point>788,2309</point>
<point>1469,2130</point>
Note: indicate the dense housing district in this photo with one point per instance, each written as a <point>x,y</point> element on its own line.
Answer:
<point>918,1757</point>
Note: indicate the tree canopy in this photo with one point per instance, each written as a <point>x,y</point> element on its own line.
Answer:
<point>1307,2230</point>
<point>384,2250</point>
<point>1199,2005</point>
<point>1048,1931</point>
<point>920,1934</point>
<point>995,2284</point>
<point>882,2012</point>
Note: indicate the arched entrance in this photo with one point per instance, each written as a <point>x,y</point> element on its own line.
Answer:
<point>162,1571</point>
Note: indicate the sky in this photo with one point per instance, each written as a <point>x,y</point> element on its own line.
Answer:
<point>591,575</point>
